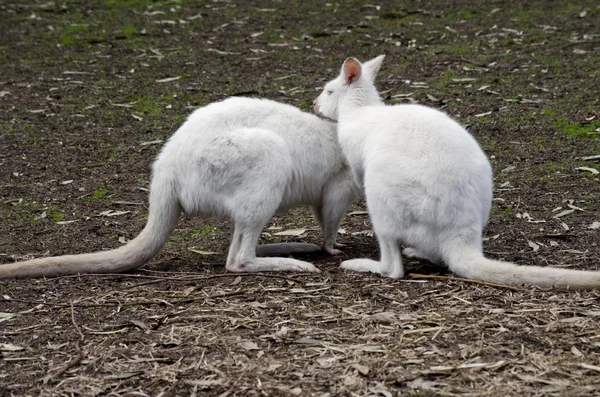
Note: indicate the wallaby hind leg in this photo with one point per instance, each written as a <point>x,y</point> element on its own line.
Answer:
<point>337,197</point>
<point>242,253</point>
<point>390,264</point>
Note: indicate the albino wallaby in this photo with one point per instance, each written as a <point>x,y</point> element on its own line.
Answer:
<point>242,158</point>
<point>427,184</point>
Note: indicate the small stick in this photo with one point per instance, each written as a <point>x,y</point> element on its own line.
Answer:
<point>581,42</point>
<point>462,58</point>
<point>74,362</point>
<point>466,280</point>
<point>75,323</point>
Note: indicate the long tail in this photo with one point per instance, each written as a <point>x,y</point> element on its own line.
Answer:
<point>471,263</point>
<point>162,218</point>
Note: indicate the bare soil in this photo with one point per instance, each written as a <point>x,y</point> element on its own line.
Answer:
<point>90,90</point>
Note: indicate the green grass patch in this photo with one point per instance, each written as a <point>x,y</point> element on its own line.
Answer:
<point>66,41</point>
<point>149,106</point>
<point>99,194</point>
<point>55,214</point>
<point>573,130</point>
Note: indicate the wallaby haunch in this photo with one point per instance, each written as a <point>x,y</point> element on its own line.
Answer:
<point>241,158</point>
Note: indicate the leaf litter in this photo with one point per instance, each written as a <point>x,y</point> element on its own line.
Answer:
<point>233,334</point>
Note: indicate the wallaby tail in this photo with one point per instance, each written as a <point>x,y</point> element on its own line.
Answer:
<point>163,215</point>
<point>471,263</point>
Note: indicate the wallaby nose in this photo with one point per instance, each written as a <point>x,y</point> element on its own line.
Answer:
<point>315,102</point>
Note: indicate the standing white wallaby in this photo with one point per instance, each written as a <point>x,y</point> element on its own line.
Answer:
<point>242,158</point>
<point>427,184</point>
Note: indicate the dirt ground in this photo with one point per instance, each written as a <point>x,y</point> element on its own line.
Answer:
<point>89,90</point>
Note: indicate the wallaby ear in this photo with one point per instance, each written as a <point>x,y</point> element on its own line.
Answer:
<point>351,70</point>
<point>372,67</point>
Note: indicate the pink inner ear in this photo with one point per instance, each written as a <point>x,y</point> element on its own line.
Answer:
<point>352,70</point>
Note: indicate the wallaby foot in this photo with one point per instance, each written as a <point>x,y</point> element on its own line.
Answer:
<point>252,265</point>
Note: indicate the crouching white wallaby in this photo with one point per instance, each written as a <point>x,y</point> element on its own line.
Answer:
<point>427,184</point>
<point>242,158</point>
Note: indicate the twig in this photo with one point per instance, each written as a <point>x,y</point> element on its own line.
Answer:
<point>462,58</point>
<point>466,280</point>
<point>581,42</point>
<point>75,323</point>
<point>75,361</point>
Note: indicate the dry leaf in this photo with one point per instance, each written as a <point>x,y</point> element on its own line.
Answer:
<point>594,225</point>
<point>247,345</point>
<point>188,291</point>
<point>203,252</point>
<point>154,142</point>
<point>168,79</point>
<point>140,324</point>
<point>7,347</point>
<point>533,245</point>
<point>377,392</point>
<point>6,316</point>
<point>224,52</point>
<point>127,203</point>
<point>589,169</point>
<point>483,114</point>
<point>124,375</point>
<point>291,232</point>
<point>358,213</point>
<point>588,366</point>
<point>384,317</point>
<point>206,383</point>
<point>309,341</point>
<point>67,222</point>
<point>113,213</point>
<point>368,233</point>
<point>563,213</point>
<point>363,369</point>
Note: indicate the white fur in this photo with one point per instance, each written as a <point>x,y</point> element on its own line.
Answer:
<point>241,158</point>
<point>427,183</point>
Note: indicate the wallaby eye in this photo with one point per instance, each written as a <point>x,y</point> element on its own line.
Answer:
<point>329,92</point>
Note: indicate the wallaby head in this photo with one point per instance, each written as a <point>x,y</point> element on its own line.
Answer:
<point>355,85</point>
